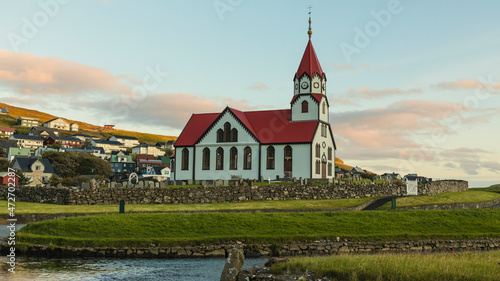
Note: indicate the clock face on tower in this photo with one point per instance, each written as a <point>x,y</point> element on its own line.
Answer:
<point>304,85</point>
<point>316,85</point>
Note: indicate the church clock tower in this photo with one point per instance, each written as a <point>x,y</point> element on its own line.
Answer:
<point>309,102</point>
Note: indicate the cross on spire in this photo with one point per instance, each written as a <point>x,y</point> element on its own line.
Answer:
<point>309,31</point>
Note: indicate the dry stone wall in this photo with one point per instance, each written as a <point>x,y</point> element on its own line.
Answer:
<point>218,194</point>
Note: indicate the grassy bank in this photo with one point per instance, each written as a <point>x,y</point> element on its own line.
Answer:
<point>40,208</point>
<point>201,228</point>
<point>469,196</point>
<point>461,266</point>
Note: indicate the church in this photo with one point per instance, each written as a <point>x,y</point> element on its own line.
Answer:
<point>285,143</point>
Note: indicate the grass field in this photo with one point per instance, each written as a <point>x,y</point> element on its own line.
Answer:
<point>128,230</point>
<point>40,208</point>
<point>469,196</point>
<point>414,267</point>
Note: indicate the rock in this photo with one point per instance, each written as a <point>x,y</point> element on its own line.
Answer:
<point>272,261</point>
<point>234,263</point>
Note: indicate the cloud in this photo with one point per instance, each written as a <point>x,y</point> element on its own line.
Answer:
<point>259,86</point>
<point>467,84</point>
<point>32,75</point>
<point>469,160</point>
<point>369,93</point>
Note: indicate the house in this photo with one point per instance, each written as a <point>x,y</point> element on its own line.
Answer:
<point>413,177</point>
<point>147,149</point>
<point>84,137</point>
<point>109,127</point>
<point>63,141</point>
<point>165,145</point>
<point>43,132</point>
<point>391,176</point>
<point>121,162</point>
<point>73,127</point>
<point>57,123</point>
<point>158,173</point>
<point>99,152</point>
<point>36,169</point>
<point>15,151</point>
<point>107,145</point>
<point>71,149</point>
<point>144,165</point>
<point>286,143</point>
<point>27,141</point>
<point>27,121</point>
<point>5,178</point>
<point>3,111</point>
<point>357,171</point>
<point>6,132</point>
<point>127,141</point>
<point>339,174</point>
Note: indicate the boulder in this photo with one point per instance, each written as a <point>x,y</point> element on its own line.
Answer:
<point>234,264</point>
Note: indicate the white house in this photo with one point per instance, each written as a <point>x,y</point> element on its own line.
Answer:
<point>107,145</point>
<point>57,123</point>
<point>27,141</point>
<point>147,149</point>
<point>127,141</point>
<point>295,142</point>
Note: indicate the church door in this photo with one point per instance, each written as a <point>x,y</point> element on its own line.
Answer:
<point>323,170</point>
<point>288,162</point>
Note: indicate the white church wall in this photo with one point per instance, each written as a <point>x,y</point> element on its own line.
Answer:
<point>300,164</point>
<point>179,173</point>
<point>325,141</point>
<point>323,116</point>
<point>316,79</point>
<point>312,113</point>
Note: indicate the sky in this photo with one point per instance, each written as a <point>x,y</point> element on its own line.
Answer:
<point>413,86</point>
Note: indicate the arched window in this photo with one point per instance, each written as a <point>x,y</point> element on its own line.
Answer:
<point>287,161</point>
<point>317,166</point>
<point>234,135</point>
<point>185,159</point>
<point>270,158</point>
<point>233,158</point>
<point>329,169</point>
<point>220,135</point>
<point>324,108</point>
<point>247,158</point>
<point>305,107</point>
<point>227,132</point>
<point>288,152</point>
<point>206,159</point>
<point>330,153</point>
<point>219,158</point>
<point>318,152</point>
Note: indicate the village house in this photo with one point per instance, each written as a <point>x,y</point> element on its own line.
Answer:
<point>107,145</point>
<point>27,121</point>
<point>44,132</point>
<point>4,111</point>
<point>73,127</point>
<point>38,170</point>
<point>147,149</point>
<point>159,173</point>
<point>27,141</point>
<point>6,132</point>
<point>391,176</point>
<point>84,137</point>
<point>57,123</point>
<point>165,145</point>
<point>5,178</point>
<point>15,151</point>
<point>121,163</point>
<point>109,127</point>
<point>125,140</point>
<point>99,152</point>
<point>143,165</point>
<point>63,141</point>
<point>286,143</point>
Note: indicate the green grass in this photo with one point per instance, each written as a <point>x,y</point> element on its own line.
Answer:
<point>7,121</point>
<point>401,267</point>
<point>40,208</point>
<point>128,230</point>
<point>493,188</point>
<point>469,196</point>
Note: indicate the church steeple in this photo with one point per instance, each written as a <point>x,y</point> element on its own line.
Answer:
<point>309,100</point>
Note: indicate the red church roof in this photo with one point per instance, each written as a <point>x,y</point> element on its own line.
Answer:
<point>310,63</point>
<point>269,126</point>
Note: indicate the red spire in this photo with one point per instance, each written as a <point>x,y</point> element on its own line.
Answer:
<point>309,63</point>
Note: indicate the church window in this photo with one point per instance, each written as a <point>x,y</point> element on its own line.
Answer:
<point>270,158</point>
<point>305,107</point>
<point>220,135</point>
<point>234,135</point>
<point>233,161</point>
<point>329,169</point>
<point>219,158</point>
<point>185,159</point>
<point>227,132</point>
<point>317,166</point>
<point>206,158</point>
<point>323,108</point>
<point>247,158</point>
<point>318,152</point>
<point>288,152</point>
<point>330,153</point>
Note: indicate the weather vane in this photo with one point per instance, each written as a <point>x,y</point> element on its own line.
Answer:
<point>309,31</point>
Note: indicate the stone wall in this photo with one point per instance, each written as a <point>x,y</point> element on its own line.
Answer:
<point>219,194</point>
<point>436,187</point>
<point>476,205</point>
<point>301,249</point>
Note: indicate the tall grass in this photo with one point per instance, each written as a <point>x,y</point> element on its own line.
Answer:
<point>414,267</point>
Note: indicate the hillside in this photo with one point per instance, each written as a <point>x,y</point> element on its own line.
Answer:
<point>85,128</point>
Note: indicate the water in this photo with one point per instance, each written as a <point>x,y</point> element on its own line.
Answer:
<point>93,269</point>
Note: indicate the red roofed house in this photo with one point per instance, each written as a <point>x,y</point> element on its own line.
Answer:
<point>286,143</point>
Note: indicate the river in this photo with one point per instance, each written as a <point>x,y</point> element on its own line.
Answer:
<point>93,269</point>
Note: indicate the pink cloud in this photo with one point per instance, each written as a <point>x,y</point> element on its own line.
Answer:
<point>465,84</point>
<point>30,74</point>
<point>259,86</point>
<point>367,92</point>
